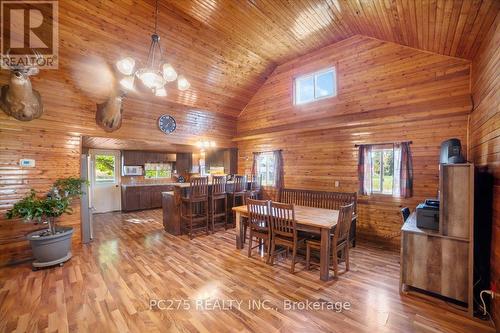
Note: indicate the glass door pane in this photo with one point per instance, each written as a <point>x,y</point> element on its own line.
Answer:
<point>105,169</point>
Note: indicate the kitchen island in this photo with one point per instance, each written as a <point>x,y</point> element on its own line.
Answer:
<point>171,204</point>
<point>143,196</point>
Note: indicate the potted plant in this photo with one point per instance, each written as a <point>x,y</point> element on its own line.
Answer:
<point>50,246</point>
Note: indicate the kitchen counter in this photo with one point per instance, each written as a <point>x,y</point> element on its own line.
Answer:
<point>143,196</point>
<point>186,184</point>
<point>171,203</point>
<point>153,184</point>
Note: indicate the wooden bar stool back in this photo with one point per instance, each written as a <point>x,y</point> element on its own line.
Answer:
<point>284,230</point>
<point>259,224</point>
<point>194,207</point>
<point>239,192</point>
<point>340,239</point>
<point>218,197</point>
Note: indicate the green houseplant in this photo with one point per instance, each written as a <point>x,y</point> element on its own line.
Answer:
<point>52,245</point>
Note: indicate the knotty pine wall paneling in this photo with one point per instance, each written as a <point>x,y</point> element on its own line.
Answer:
<point>87,51</point>
<point>484,127</point>
<point>386,93</point>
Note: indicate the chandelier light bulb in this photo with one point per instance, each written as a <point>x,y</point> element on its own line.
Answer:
<point>126,65</point>
<point>169,73</point>
<point>127,82</point>
<point>183,83</point>
<point>151,79</point>
<point>162,92</point>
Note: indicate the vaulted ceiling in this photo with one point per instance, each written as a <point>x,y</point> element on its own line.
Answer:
<point>228,48</point>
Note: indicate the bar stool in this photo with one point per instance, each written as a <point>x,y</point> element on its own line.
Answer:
<point>218,194</point>
<point>239,191</point>
<point>197,206</point>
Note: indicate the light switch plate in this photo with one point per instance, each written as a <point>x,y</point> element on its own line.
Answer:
<point>27,163</point>
<point>337,183</point>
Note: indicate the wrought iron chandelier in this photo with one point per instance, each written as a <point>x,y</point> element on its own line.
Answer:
<point>156,73</point>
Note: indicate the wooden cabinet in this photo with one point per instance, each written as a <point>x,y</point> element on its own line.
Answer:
<point>441,261</point>
<point>142,196</point>
<point>136,157</point>
<point>156,195</point>
<point>131,198</point>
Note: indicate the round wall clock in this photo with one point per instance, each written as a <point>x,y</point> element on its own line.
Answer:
<point>167,124</point>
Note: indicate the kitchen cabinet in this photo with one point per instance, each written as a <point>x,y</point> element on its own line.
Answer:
<point>135,157</point>
<point>137,197</point>
<point>227,158</point>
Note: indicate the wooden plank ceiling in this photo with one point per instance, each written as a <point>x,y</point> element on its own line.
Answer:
<point>227,49</point>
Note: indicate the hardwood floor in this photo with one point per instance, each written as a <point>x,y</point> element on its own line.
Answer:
<point>108,285</point>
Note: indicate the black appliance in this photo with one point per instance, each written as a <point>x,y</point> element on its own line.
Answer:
<point>428,214</point>
<point>451,152</point>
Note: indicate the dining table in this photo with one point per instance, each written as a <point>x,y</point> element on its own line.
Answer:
<point>310,219</point>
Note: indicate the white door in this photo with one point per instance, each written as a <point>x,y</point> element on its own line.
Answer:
<point>106,191</point>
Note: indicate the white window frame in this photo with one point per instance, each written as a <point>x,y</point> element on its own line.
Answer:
<point>315,75</point>
<point>157,171</point>
<point>381,150</point>
<point>264,181</point>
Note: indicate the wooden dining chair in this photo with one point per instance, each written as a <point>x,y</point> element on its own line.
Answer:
<point>217,199</point>
<point>194,207</point>
<point>258,225</point>
<point>284,231</point>
<point>339,241</point>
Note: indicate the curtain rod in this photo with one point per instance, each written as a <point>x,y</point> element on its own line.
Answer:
<point>383,143</point>
<point>266,151</point>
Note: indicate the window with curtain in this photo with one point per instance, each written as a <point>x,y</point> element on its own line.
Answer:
<point>386,170</point>
<point>267,168</point>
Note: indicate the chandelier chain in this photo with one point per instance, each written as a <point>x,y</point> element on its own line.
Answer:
<point>156,16</point>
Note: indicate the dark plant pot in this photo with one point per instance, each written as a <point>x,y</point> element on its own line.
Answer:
<point>51,249</point>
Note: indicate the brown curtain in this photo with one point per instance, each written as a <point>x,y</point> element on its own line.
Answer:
<point>406,172</point>
<point>364,170</point>
<point>255,164</point>
<point>279,172</point>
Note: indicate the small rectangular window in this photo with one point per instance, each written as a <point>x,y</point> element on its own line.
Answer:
<point>158,170</point>
<point>315,86</point>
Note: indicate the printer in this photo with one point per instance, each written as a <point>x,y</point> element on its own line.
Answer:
<point>428,214</point>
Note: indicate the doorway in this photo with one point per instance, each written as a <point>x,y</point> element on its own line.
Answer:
<point>105,180</point>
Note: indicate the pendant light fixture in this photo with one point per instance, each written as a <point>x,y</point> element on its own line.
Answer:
<point>156,73</point>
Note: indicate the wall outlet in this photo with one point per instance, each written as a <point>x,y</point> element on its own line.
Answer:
<point>26,163</point>
<point>337,183</point>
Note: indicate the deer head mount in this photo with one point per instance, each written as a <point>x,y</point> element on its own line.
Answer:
<point>109,113</point>
<point>18,99</point>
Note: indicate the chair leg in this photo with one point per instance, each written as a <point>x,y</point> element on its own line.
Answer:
<point>250,244</point>
<point>308,256</point>
<point>335,262</point>
<point>271,253</point>
<point>225,210</point>
<point>190,220</point>
<point>268,257</point>
<point>294,253</point>
<point>347,257</point>
<point>207,216</point>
